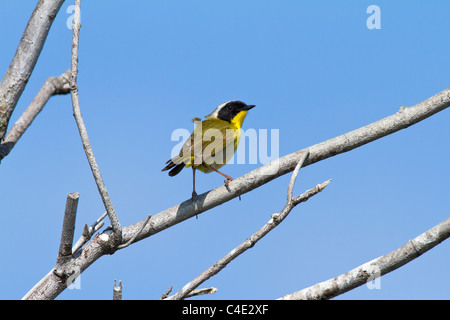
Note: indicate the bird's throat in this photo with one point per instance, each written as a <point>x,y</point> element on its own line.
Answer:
<point>239,119</point>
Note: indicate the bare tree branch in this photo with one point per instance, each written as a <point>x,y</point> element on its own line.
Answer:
<point>193,293</point>
<point>68,229</point>
<point>375,268</point>
<point>166,294</point>
<point>49,287</point>
<point>290,191</point>
<point>65,247</point>
<point>258,235</point>
<point>404,118</point>
<point>200,292</point>
<point>117,230</point>
<point>52,284</point>
<point>88,232</point>
<point>124,245</point>
<point>25,58</point>
<point>117,290</point>
<point>52,86</point>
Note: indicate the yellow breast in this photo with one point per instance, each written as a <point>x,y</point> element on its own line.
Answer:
<point>236,124</point>
<point>239,119</point>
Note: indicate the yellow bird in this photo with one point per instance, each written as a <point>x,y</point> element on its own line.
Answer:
<point>213,142</point>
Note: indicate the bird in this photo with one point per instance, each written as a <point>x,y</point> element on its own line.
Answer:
<point>212,143</point>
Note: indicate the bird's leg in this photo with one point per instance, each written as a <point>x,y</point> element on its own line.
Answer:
<point>194,194</point>
<point>229,179</point>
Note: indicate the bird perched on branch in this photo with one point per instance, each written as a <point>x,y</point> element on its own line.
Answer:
<point>213,142</point>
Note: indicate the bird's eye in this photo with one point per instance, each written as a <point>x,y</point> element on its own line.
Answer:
<point>229,107</point>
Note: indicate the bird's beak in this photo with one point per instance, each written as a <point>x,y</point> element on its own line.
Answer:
<point>248,107</point>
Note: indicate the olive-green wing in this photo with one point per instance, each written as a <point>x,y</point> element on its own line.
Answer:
<point>208,138</point>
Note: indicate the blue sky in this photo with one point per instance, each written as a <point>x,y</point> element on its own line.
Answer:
<point>314,71</point>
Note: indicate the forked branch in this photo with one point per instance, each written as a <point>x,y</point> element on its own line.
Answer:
<point>117,230</point>
<point>88,232</point>
<point>404,118</point>
<point>258,235</point>
<point>25,58</point>
<point>52,86</point>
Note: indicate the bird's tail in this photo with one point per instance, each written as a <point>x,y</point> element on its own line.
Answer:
<point>173,167</point>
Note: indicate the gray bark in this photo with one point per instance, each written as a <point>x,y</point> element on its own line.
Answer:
<point>25,58</point>
<point>375,268</point>
<point>50,286</point>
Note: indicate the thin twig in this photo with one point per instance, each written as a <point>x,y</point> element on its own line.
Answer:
<point>199,292</point>
<point>258,235</point>
<point>193,293</point>
<point>117,230</point>
<point>375,268</point>
<point>52,86</point>
<point>295,174</point>
<point>124,245</point>
<point>88,232</point>
<point>166,294</point>
<point>70,213</point>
